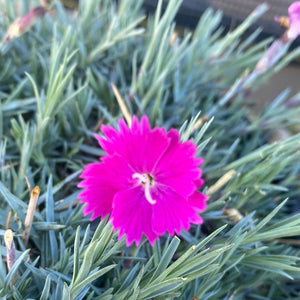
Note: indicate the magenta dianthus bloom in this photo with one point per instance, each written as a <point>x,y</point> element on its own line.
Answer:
<point>147,182</point>
<point>294,18</point>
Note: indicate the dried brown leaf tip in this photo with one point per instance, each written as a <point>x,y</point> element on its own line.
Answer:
<point>71,4</point>
<point>35,192</point>
<point>196,126</point>
<point>34,195</point>
<point>283,21</point>
<point>10,248</point>
<point>234,214</point>
<point>122,105</point>
<point>24,23</point>
<point>220,183</point>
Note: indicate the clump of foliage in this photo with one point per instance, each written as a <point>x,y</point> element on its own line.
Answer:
<point>55,92</point>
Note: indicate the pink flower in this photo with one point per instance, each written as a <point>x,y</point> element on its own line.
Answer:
<point>147,182</point>
<point>294,18</point>
<point>24,23</point>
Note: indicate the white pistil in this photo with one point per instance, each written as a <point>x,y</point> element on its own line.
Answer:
<point>145,180</point>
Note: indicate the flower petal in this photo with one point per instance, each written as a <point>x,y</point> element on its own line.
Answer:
<point>171,211</point>
<point>294,31</point>
<point>99,190</point>
<point>135,144</point>
<point>178,168</point>
<point>101,182</point>
<point>132,214</point>
<point>294,9</point>
<point>198,201</point>
<point>294,18</point>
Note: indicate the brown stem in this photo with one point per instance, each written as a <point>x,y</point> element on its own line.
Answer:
<point>34,195</point>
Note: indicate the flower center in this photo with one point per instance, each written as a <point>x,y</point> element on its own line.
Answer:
<point>147,181</point>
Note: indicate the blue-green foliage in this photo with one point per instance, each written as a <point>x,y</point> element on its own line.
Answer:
<point>55,91</point>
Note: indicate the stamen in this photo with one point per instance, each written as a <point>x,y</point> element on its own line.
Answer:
<point>145,180</point>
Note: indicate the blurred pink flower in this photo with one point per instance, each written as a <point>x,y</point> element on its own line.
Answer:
<point>280,46</point>
<point>147,182</point>
<point>294,18</point>
<point>22,24</point>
